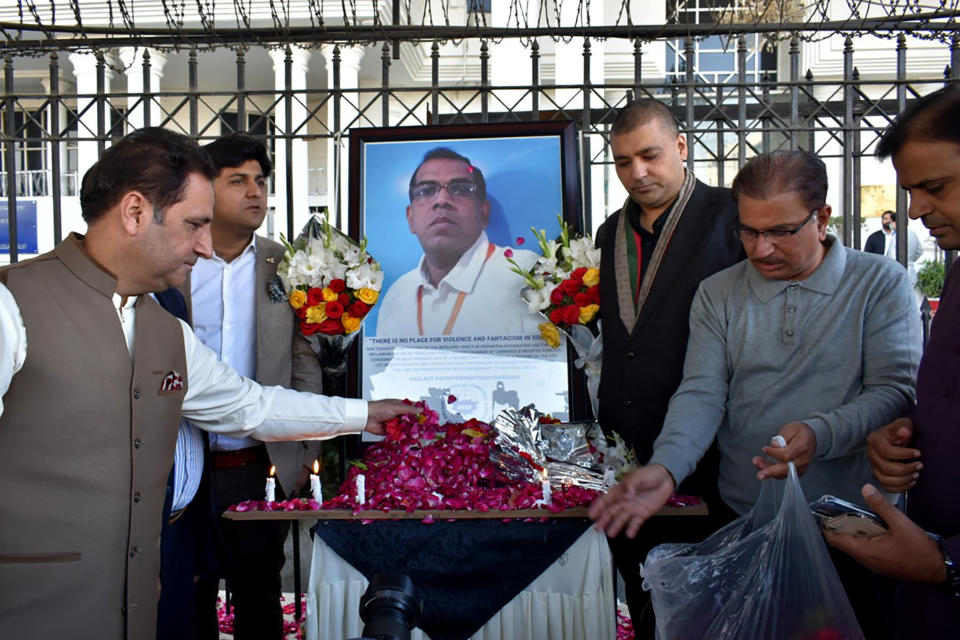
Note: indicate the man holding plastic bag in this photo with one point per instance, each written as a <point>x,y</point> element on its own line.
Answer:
<point>920,453</point>
<point>794,342</point>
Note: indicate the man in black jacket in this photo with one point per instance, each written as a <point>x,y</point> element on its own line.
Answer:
<point>877,241</point>
<point>672,232</point>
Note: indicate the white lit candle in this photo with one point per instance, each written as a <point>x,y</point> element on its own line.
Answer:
<point>315,482</point>
<point>361,489</point>
<point>272,485</point>
<point>545,487</point>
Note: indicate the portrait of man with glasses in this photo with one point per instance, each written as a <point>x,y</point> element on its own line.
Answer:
<point>463,284</point>
<point>794,341</point>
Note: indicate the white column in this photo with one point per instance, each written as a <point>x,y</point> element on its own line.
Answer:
<point>509,62</point>
<point>132,60</point>
<point>568,59</point>
<point>85,71</point>
<point>338,155</point>
<point>568,69</point>
<point>62,149</point>
<point>300,160</point>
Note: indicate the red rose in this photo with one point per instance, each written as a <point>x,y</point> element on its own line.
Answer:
<point>337,285</point>
<point>314,296</point>
<point>582,299</point>
<point>570,286</point>
<point>309,328</point>
<point>301,312</point>
<point>394,429</point>
<point>359,309</point>
<point>571,314</point>
<point>334,310</point>
<point>331,326</point>
<point>556,296</point>
<point>556,316</point>
<point>344,299</point>
<point>578,274</point>
<point>594,293</point>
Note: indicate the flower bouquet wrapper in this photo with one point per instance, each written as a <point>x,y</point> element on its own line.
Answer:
<point>332,283</point>
<point>589,350</point>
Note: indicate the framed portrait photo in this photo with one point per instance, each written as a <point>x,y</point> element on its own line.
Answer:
<point>448,212</point>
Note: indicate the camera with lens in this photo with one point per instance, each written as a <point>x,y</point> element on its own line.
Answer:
<point>390,607</point>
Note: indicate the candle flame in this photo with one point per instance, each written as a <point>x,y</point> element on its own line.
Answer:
<point>316,466</point>
<point>273,470</point>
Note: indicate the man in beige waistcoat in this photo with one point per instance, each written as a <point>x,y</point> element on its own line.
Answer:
<point>88,423</point>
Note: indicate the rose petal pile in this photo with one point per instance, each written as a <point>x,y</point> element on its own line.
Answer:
<point>423,465</point>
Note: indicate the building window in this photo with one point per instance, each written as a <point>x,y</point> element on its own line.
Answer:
<point>715,57</point>
<point>479,6</point>
<point>30,154</point>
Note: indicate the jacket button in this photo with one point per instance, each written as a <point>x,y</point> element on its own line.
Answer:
<point>137,443</point>
<point>631,355</point>
<point>134,550</point>
<point>136,394</point>
<point>628,403</point>
<point>137,497</point>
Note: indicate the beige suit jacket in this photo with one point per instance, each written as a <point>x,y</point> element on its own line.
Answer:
<point>284,357</point>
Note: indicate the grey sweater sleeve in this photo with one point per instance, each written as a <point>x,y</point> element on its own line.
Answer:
<point>892,339</point>
<point>697,408</point>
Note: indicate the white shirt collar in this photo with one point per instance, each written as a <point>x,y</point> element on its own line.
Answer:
<point>251,247</point>
<point>464,274</point>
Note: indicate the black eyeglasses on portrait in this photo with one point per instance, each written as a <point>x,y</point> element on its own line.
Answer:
<point>747,234</point>
<point>427,191</point>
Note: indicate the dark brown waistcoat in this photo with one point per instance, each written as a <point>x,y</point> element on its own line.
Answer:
<point>86,445</point>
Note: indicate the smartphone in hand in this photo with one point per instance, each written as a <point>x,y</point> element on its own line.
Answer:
<point>845,517</point>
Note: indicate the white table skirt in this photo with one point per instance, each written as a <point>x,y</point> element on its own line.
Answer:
<point>572,600</point>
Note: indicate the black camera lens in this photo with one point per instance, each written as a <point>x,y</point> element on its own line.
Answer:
<point>390,607</point>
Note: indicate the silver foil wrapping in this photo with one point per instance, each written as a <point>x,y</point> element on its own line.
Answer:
<point>573,453</point>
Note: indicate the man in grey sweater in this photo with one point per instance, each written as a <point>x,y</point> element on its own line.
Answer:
<point>807,339</point>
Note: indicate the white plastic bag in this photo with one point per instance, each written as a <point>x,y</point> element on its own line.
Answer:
<point>765,576</point>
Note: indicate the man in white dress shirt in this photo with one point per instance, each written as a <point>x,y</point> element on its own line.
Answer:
<point>232,312</point>
<point>88,421</point>
<point>464,284</point>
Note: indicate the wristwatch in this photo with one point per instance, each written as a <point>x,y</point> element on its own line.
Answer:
<point>952,585</point>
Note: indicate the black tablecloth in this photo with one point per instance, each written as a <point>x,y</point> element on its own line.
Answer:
<point>465,571</point>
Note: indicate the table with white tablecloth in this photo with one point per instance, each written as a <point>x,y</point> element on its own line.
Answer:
<point>573,599</point>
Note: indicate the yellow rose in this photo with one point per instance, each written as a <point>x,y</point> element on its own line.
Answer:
<point>350,324</point>
<point>587,313</point>
<point>592,277</point>
<point>329,295</point>
<point>549,332</point>
<point>317,313</point>
<point>297,298</point>
<point>367,296</point>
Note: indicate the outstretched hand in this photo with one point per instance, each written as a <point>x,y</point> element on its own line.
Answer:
<point>800,449</point>
<point>380,411</point>
<point>904,552</point>
<point>894,462</point>
<point>633,500</point>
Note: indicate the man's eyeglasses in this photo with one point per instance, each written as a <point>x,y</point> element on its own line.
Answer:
<point>427,191</point>
<point>746,234</point>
